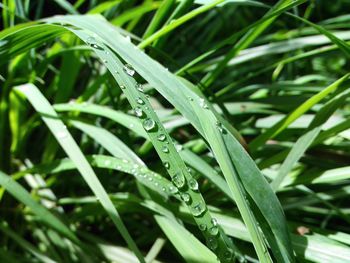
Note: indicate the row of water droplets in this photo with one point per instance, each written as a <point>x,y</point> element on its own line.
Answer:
<point>142,173</point>
<point>197,208</point>
<point>178,179</point>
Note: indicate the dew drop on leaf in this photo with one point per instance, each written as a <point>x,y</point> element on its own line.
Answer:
<point>203,104</point>
<point>161,137</point>
<point>62,135</point>
<point>166,165</point>
<point>219,126</point>
<point>139,87</point>
<point>228,255</point>
<point>91,41</point>
<point>149,124</point>
<point>179,147</point>
<point>165,149</point>
<point>138,112</point>
<point>186,197</point>
<point>172,189</point>
<point>202,227</point>
<point>178,180</point>
<point>214,230</point>
<point>193,184</point>
<point>128,69</point>
<point>198,209</point>
<point>212,243</point>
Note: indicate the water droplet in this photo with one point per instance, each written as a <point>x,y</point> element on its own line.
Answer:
<point>186,197</point>
<point>161,137</point>
<point>133,171</point>
<point>150,179</point>
<point>62,135</point>
<point>165,149</point>
<point>131,125</point>
<point>128,38</point>
<point>214,221</point>
<point>190,98</point>
<point>202,227</point>
<point>166,165</point>
<point>107,163</point>
<point>198,209</point>
<point>241,259</point>
<point>178,180</point>
<point>214,230</point>
<point>212,243</point>
<point>140,101</point>
<point>105,61</point>
<point>228,255</point>
<point>125,161</point>
<point>219,126</point>
<point>149,124</point>
<point>128,69</point>
<point>138,112</point>
<point>91,41</point>
<point>203,104</point>
<point>107,52</point>
<point>193,184</point>
<point>119,167</point>
<point>179,147</point>
<point>139,87</point>
<point>172,189</point>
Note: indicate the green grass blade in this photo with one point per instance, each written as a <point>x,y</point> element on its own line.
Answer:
<point>110,142</point>
<point>285,122</point>
<point>66,141</point>
<point>18,192</point>
<point>189,248</point>
<point>178,22</point>
<point>308,138</point>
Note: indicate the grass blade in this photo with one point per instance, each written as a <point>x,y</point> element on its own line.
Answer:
<point>66,141</point>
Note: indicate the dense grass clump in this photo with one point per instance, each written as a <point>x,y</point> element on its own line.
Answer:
<point>174,131</point>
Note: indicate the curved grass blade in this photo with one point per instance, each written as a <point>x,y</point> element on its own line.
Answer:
<point>189,247</point>
<point>110,142</point>
<point>145,176</point>
<point>176,93</point>
<point>308,138</point>
<point>290,118</point>
<point>58,129</point>
<point>18,192</point>
<point>247,40</point>
<point>129,121</point>
<point>181,177</point>
<point>25,244</point>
